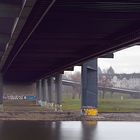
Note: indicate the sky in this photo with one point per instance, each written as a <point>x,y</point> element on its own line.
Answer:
<point>124,61</point>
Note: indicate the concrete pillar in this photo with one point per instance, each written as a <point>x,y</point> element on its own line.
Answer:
<point>44,92</point>
<point>58,92</point>
<point>39,92</point>
<point>50,91</point>
<point>1,92</point>
<point>89,87</point>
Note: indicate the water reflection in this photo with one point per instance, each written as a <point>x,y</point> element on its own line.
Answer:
<point>37,130</point>
<point>89,130</point>
<point>71,130</point>
<point>118,131</point>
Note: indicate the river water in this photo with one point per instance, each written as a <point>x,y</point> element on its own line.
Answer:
<point>67,130</point>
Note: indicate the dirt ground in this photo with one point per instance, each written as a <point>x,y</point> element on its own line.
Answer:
<point>35,112</point>
<point>67,116</point>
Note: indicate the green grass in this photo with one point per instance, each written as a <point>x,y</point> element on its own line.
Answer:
<point>116,105</point>
<point>71,104</point>
<point>106,105</point>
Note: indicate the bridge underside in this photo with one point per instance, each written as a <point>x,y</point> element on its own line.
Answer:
<point>72,31</point>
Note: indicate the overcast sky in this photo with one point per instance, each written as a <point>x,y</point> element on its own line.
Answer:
<point>124,61</point>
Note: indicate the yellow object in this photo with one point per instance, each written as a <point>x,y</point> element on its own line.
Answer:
<point>91,112</point>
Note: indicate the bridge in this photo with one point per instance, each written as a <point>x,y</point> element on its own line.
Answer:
<point>133,93</point>
<point>44,38</point>
<point>40,39</point>
<point>70,83</point>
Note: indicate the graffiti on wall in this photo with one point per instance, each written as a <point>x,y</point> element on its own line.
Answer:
<point>19,97</point>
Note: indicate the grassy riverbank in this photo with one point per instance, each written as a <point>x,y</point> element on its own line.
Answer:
<point>106,105</point>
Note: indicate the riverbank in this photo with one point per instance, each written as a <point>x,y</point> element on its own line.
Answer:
<point>67,116</point>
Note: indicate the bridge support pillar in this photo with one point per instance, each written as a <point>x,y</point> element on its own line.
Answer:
<point>50,91</point>
<point>44,92</point>
<point>1,92</point>
<point>39,92</point>
<point>58,92</point>
<point>89,88</point>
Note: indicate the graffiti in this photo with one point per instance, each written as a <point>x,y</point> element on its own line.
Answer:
<point>19,97</point>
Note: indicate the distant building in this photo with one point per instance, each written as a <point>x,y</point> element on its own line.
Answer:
<point>127,81</point>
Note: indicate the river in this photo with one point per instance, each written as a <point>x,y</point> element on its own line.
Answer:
<point>69,130</point>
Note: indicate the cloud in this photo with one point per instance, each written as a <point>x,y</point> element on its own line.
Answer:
<point>124,61</point>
